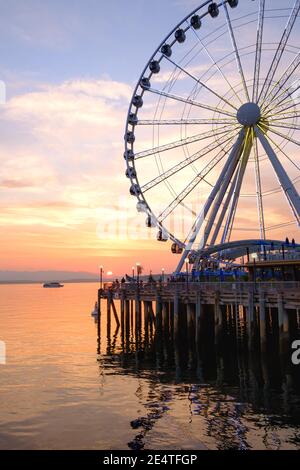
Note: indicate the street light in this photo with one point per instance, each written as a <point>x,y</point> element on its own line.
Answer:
<point>101,277</point>
<point>133,271</point>
<point>187,262</point>
<point>254,257</point>
<point>163,274</point>
<point>138,267</point>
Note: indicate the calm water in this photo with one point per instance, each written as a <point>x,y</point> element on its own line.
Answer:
<point>62,388</point>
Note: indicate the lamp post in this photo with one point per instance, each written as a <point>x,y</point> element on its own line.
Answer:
<point>133,271</point>
<point>101,277</point>
<point>187,262</point>
<point>163,274</point>
<point>254,257</point>
<point>138,266</point>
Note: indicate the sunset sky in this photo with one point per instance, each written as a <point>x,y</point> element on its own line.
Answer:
<point>70,67</point>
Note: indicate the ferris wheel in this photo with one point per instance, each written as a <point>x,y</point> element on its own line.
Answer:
<point>212,133</point>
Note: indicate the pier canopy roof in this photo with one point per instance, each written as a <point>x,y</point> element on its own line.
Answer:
<point>237,249</point>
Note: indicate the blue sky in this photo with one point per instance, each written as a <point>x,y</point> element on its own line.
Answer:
<point>57,40</point>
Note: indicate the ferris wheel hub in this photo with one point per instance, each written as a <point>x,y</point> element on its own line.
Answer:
<point>249,114</point>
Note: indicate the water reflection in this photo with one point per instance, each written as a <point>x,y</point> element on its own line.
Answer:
<point>225,396</point>
<point>72,384</point>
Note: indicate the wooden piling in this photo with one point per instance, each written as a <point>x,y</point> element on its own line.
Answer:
<point>146,318</point>
<point>99,313</point>
<point>262,322</point>
<point>198,319</point>
<point>191,318</point>
<point>171,318</point>
<point>158,315</point>
<point>283,325</point>
<point>152,318</point>
<point>250,319</point>
<point>137,313</point>
<point>127,317</point>
<point>115,313</point>
<point>131,306</point>
<point>165,317</point>
<point>109,300</point>
<point>176,315</point>
<point>218,320</point>
<point>122,307</point>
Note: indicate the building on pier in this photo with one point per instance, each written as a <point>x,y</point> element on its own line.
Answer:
<point>279,270</point>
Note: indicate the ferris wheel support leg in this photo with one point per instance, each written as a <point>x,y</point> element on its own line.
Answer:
<point>228,167</point>
<point>224,210</point>
<point>260,207</point>
<point>236,155</point>
<point>238,187</point>
<point>284,180</point>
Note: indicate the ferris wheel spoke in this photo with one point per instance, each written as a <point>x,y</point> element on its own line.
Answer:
<point>186,122</point>
<point>285,182</point>
<point>283,152</point>
<point>193,184</point>
<point>179,143</point>
<point>236,51</point>
<point>229,167</point>
<point>260,207</point>
<point>285,101</point>
<point>192,102</point>
<point>291,104</point>
<point>286,96</point>
<point>281,114</point>
<point>284,117</point>
<point>260,28</point>
<point>216,65</point>
<point>271,98</point>
<point>291,127</point>
<point>280,50</point>
<point>221,98</point>
<point>185,163</point>
<point>286,137</point>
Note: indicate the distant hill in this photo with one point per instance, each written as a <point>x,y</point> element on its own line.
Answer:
<point>46,276</point>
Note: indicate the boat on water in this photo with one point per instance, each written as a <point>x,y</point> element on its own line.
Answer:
<point>53,285</point>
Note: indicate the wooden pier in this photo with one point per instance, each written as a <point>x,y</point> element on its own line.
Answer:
<point>265,311</point>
